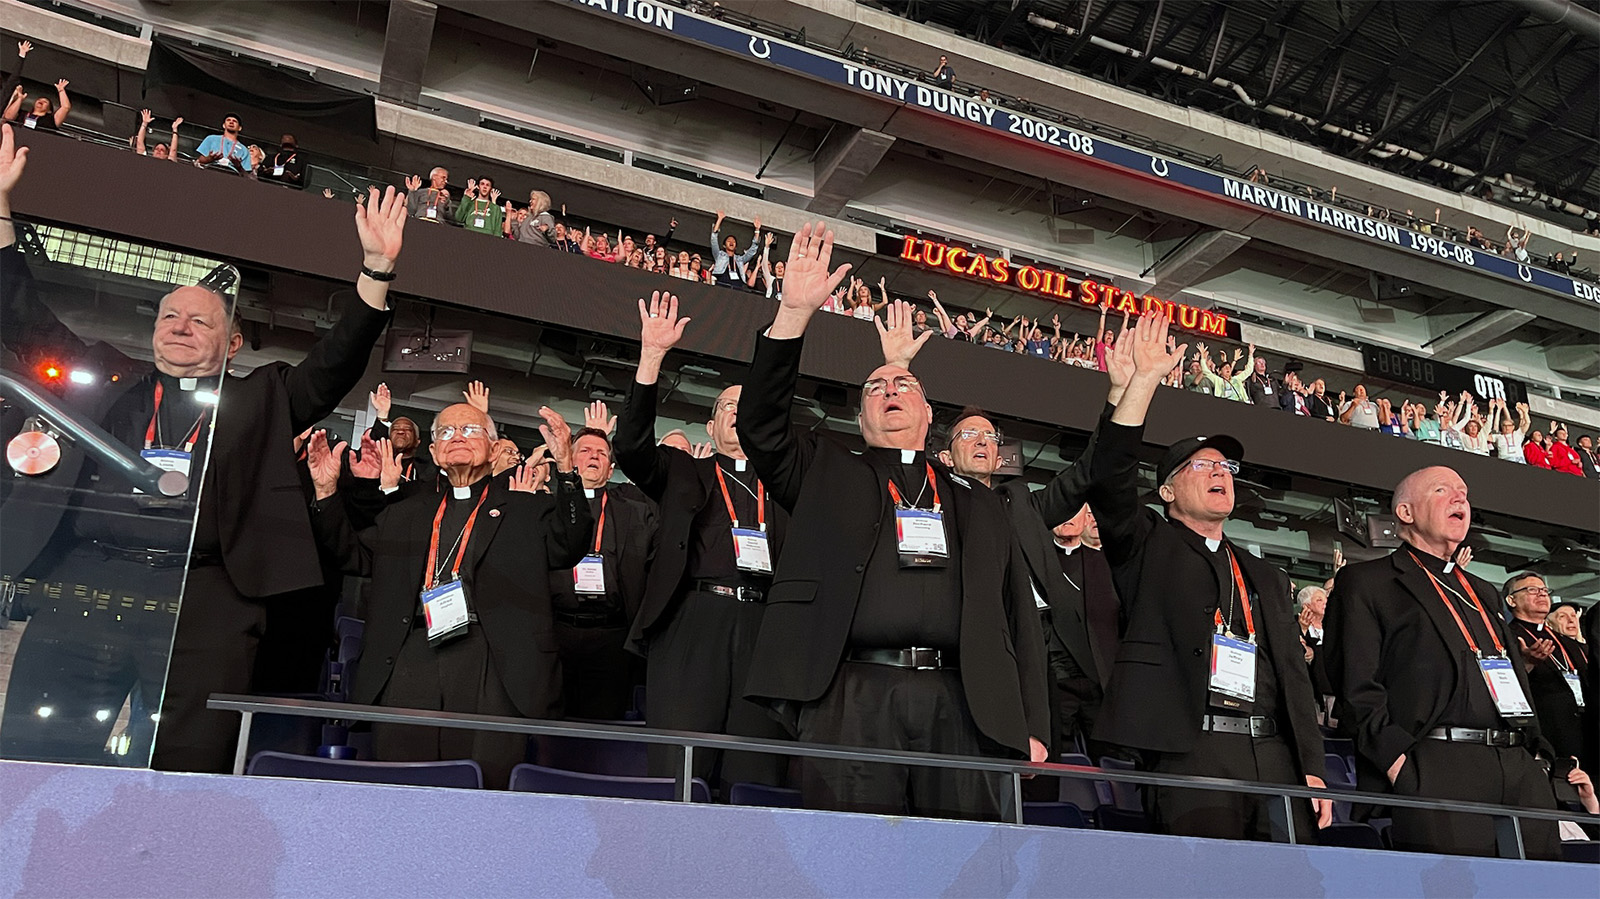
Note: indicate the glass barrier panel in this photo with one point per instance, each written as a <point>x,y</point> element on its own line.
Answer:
<point>110,375</point>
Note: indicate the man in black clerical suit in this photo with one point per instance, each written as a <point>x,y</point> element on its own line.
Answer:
<point>459,618</point>
<point>1557,665</point>
<point>252,538</point>
<point>1210,679</point>
<point>720,533</point>
<point>595,600</point>
<point>1414,643</point>
<point>900,615</point>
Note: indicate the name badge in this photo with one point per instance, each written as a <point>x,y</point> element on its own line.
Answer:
<point>1509,699</point>
<point>1233,671</point>
<point>167,460</point>
<point>751,552</point>
<point>445,607</point>
<point>1267,390</point>
<point>477,221</point>
<point>277,171</point>
<point>431,212</point>
<point>1575,685</point>
<point>30,122</point>
<point>921,538</point>
<point>589,576</point>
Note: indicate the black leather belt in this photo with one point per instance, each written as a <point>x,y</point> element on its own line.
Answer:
<point>917,657</point>
<point>154,558</point>
<point>1477,735</point>
<point>612,618</point>
<point>742,594</point>
<point>1255,726</point>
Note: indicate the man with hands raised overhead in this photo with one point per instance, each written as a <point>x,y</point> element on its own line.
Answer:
<point>899,615</point>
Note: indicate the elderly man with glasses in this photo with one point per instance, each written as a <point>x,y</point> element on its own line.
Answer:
<point>1557,665</point>
<point>459,616</point>
<point>899,615</point>
<point>1210,679</point>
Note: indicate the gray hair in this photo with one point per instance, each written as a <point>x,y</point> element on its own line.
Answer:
<point>493,434</point>
<point>1505,592</point>
<point>678,432</point>
<point>1307,593</point>
<point>436,170</point>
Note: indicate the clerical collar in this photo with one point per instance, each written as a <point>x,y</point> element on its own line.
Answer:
<point>898,456</point>
<point>471,490</point>
<point>1069,550</point>
<point>1213,544</point>
<point>727,461</point>
<point>590,492</point>
<point>1530,625</point>
<point>1430,561</point>
<point>461,492</point>
<point>187,385</point>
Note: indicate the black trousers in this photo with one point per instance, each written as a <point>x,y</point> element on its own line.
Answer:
<point>1441,770</point>
<point>214,651</point>
<point>93,642</point>
<point>299,633</point>
<point>882,707</point>
<point>455,676</point>
<point>1224,815</point>
<point>694,680</point>
<point>597,673</point>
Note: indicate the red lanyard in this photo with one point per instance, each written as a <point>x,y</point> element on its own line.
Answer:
<point>1244,600</point>
<point>600,528</point>
<point>1556,639</point>
<point>1439,588</point>
<point>153,430</point>
<point>761,501</point>
<point>461,541</point>
<point>933,484</point>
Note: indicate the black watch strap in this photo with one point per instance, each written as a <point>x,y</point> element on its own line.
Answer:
<point>377,276</point>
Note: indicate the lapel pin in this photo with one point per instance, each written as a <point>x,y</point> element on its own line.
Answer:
<point>494,513</point>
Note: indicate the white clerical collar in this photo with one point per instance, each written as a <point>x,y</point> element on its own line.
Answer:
<point>1213,544</point>
<point>588,493</point>
<point>461,492</point>
<point>1069,550</point>
<point>188,383</point>
<point>741,464</point>
<point>908,456</point>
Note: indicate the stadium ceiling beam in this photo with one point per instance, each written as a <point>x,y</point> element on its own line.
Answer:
<point>1156,48</point>
<point>1191,260</point>
<point>1491,112</point>
<point>1018,13</point>
<point>1570,105</point>
<point>1319,62</point>
<point>1282,15</point>
<point>844,161</point>
<point>406,43</point>
<point>1086,29</point>
<point>1477,334</point>
<point>1442,89</point>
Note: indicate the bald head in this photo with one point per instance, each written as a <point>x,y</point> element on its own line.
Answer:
<point>1431,505</point>
<point>894,412</point>
<point>193,336</point>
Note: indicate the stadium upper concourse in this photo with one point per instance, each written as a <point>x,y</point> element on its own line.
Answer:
<point>1359,193</point>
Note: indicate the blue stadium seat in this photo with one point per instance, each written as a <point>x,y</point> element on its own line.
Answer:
<point>763,796</point>
<point>617,758</point>
<point>461,773</point>
<point>527,778</point>
<point>1085,794</point>
<point>1053,814</point>
<point>1125,796</point>
<point>1336,771</point>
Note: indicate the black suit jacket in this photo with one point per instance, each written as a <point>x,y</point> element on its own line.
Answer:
<point>627,544</point>
<point>1170,594</point>
<point>260,510</point>
<point>516,539</point>
<point>1560,718</point>
<point>681,486</point>
<point>1396,658</point>
<point>837,501</point>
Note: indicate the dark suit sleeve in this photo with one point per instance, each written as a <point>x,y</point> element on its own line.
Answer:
<point>364,500</point>
<point>334,365</point>
<point>781,457</point>
<point>571,527</point>
<point>638,455</point>
<point>340,540</point>
<point>1028,639</point>
<point>1114,493</point>
<point>30,326</point>
<point>1354,637</point>
<point>1286,400</point>
<point>1068,491</point>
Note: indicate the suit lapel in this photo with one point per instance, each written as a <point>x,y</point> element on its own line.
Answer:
<point>484,529</point>
<point>1416,581</point>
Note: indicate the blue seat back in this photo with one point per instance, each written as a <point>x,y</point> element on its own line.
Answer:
<point>462,773</point>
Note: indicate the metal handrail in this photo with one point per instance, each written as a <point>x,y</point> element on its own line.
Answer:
<point>1507,818</point>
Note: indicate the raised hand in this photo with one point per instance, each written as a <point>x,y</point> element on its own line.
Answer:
<point>530,476</point>
<point>381,401</point>
<point>22,49</point>
<point>1338,560</point>
<point>472,184</point>
<point>1538,651</point>
<point>896,334</point>
<point>756,223</point>
<point>494,196</point>
<point>61,85</point>
<point>175,123</point>
<point>477,396</point>
<point>596,415</point>
<point>1151,354</point>
<point>558,437</point>
<point>324,463</point>
<point>807,279</point>
<point>380,224</point>
<point>146,116</point>
<point>367,464</point>
<point>1464,557</point>
<point>660,328</point>
<point>704,450</point>
<point>413,183</point>
<point>12,161</point>
<point>1120,363</point>
<point>392,468</point>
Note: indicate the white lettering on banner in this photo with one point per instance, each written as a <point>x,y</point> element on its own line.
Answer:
<point>642,11</point>
<point>876,82</point>
<point>1585,291</point>
<point>1251,193</point>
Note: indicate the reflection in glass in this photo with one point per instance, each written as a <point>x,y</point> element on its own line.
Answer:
<point>107,419</point>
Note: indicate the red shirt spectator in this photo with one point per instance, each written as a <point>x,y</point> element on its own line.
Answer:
<point>1563,457</point>
<point>1535,452</point>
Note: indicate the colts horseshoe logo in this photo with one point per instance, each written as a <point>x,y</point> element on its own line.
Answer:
<point>765,49</point>
<point>1159,166</point>
<point>1524,273</point>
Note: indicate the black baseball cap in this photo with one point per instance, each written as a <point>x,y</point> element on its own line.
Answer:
<point>1184,450</point>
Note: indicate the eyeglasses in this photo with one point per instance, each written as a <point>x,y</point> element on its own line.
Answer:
<point>1206,466</point>
<point>902,384</point>
<point>728,406</point>
<point>1536,591</point>
<point>974,434</point>
<point>468,431</point>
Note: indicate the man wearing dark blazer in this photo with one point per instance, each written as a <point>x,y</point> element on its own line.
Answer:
<point>1211,678</point>
<point>1556,665</point>
<point>596,600</point>
<point>705,594</point>
<point>900,615</point>
<point>459,618</point>
<point>1413,645</point>
<point>252,537</point>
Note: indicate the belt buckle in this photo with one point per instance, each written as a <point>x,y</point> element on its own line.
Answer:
<point>919,653</point>
<point>738,595</point>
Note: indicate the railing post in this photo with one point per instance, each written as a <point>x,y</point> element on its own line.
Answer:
<point>1016,797</point>
<point>1281,814</point>
<point>686,782</point>
<point>1508,836</point>
<point>243,750</point>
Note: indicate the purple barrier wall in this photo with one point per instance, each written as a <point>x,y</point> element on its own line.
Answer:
<point>105,831</point>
